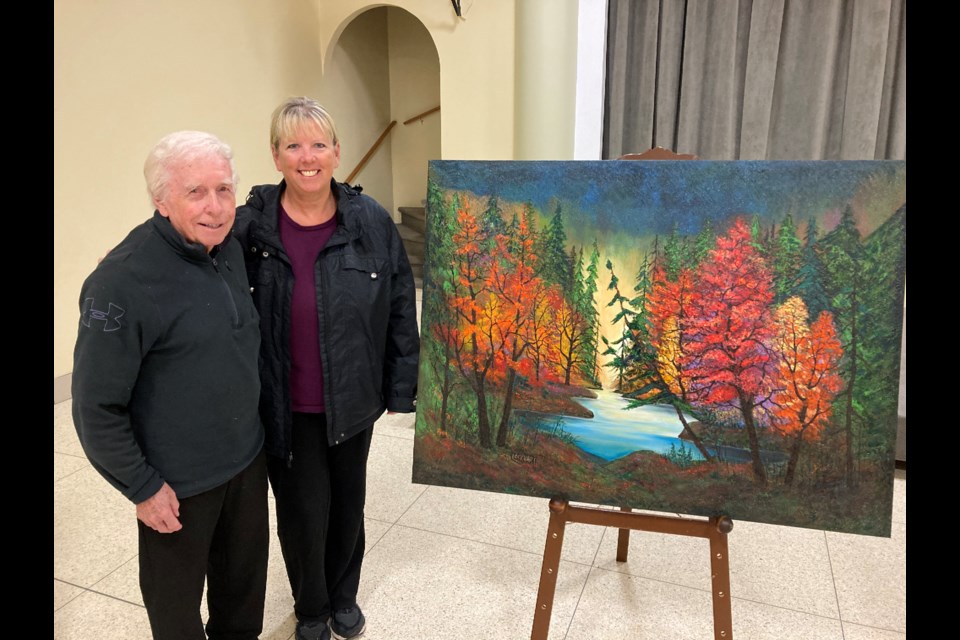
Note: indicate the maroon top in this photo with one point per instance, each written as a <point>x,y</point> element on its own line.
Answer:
<point>303,245</point>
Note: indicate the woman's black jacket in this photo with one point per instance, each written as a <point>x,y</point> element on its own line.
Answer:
<point>366,307</point>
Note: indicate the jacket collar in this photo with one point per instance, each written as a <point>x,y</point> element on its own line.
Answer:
<point>266,198</point>
<point>193,251</point>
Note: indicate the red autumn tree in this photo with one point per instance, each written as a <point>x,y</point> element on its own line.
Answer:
<point>727,357</point>
<point>808,375</point>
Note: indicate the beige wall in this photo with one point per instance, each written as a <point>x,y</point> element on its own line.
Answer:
<point>546,79</point>
<point>382,67</point>
<point>126,72</point>
<point>356,89</point>
<point>415,88</point>
<point>476,69</point>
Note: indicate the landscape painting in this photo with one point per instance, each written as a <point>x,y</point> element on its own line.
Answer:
<point>691,337</point>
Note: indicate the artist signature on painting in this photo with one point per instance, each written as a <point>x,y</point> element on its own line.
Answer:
<point>523,458</point>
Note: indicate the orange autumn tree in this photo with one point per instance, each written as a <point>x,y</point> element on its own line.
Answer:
<point>667,309</point>
<point>514,291</point>
<point>727,358</point>
<point>808,365</point>
<point>542,333</point>
<point>471,301</point>
<point>505,328</point>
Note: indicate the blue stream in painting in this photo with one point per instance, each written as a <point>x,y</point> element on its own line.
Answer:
<point>614,432</point>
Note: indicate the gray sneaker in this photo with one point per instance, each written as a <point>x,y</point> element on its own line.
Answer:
<point>348,623</point>
<point>312,631</point>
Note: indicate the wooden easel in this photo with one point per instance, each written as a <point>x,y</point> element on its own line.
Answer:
<point>714,529</point>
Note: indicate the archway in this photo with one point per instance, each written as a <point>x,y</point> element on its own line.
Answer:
<point>383,67</point>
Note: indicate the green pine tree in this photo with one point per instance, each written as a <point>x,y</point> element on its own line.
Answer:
<point>787,260</point>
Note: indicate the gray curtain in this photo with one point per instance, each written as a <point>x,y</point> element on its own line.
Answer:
<point>757,79</point>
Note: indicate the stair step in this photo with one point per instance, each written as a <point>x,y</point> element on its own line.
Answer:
<point>412,228</point>
<point>416,212</point>
<point>409,233</point>
<point>413,240</point>
<point>414,217</point>
<point>417,270</point>
<point>414,251</point>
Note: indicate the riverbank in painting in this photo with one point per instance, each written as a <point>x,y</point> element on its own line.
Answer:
<point>557,399</point>
<point>548,457</point>
<point>551,465</point>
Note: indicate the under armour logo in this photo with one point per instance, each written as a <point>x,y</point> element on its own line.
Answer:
<point>111,317</point>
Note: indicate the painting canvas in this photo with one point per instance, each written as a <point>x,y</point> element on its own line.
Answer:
<point>692,337</point>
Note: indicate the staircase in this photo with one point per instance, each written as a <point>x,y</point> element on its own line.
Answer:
<point>412,227</point>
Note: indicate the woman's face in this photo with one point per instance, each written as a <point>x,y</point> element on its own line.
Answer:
<point>307,159</point>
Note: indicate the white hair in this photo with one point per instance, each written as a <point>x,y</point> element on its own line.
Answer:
<point>178,147</point>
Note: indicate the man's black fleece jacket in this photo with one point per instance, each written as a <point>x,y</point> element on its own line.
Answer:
<point>165,383</point>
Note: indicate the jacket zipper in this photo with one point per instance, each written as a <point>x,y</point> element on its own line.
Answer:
<point>226,287</point>
<point>324,354</point>
<point>270,251</point>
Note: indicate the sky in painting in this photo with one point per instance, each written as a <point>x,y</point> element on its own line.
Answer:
<point>650,197</point>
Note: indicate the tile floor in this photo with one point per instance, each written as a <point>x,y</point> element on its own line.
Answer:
<point>453,564</point>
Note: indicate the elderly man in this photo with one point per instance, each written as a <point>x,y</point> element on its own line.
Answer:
<point>165,394</point>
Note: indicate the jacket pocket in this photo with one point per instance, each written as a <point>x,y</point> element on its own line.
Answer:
<point>365,281</point>
<point>372,267</point>
<point>361,308</point>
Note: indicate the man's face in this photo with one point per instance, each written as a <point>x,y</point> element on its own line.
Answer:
<point>200,200</point>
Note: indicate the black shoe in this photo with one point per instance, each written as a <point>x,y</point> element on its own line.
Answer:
<point>312,631</point>
<point>348,623</point>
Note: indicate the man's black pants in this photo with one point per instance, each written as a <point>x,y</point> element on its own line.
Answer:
<point>225,539</point>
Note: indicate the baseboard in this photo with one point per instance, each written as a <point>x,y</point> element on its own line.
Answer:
<point>61,388</point>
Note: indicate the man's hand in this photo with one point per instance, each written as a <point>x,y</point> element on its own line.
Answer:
<point>161,511</point>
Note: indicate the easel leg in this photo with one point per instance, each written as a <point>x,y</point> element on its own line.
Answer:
<point>720,574</point>
<point>623,540</point>
<point>714,529</point>
<point>548,572</point>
